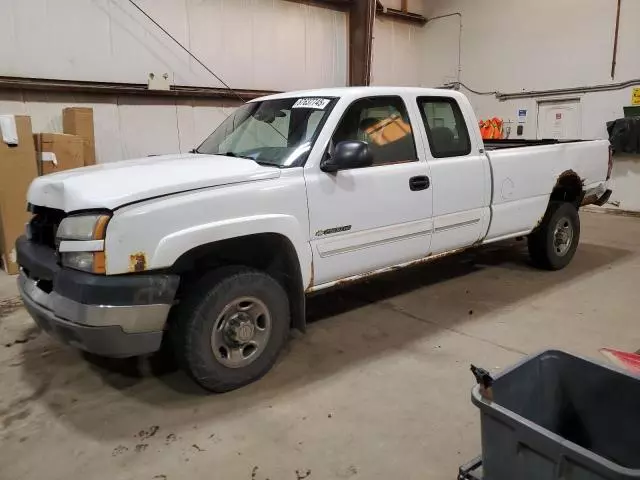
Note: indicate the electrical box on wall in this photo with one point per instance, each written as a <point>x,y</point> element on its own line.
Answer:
<point>522,119</point>
<point>158,82</point>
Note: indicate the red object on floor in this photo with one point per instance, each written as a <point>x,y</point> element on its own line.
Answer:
<point>626,360</point>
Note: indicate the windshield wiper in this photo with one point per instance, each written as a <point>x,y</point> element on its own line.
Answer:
<point>267,164</point>
<point>235,155</point>
<point>259,162</point>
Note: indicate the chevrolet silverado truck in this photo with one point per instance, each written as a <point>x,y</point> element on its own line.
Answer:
<point>214,252</point>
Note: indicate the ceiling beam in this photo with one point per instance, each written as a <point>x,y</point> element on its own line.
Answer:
<point>403,14</point>
<point>341,5</point>
<point>112,88</point>
<point>392,13</point>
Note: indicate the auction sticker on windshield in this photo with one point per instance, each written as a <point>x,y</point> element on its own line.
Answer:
<point>317,103</point>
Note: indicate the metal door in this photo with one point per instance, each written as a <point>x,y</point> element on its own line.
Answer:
<point>559,119</point>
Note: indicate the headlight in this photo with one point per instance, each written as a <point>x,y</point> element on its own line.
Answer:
<point>73,234</point>
<point>92,262</point>
<point>83,227</point>
<point>78,260</point>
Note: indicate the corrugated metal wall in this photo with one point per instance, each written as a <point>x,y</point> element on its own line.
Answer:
<point>252,44</point>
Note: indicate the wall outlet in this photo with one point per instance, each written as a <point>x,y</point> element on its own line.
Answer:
<point>158,82</point>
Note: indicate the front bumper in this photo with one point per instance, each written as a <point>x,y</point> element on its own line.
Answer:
<point>117,316</point>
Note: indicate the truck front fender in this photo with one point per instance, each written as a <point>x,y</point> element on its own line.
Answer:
<point>176,244</point>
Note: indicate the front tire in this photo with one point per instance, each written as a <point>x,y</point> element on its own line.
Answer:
<point>554,242</point>
<point>228,331</point>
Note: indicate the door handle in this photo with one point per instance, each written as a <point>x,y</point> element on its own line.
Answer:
<point>421,182</point>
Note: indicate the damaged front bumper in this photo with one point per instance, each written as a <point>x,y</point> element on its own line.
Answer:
<point>113,316</point>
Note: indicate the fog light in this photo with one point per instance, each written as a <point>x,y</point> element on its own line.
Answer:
<point>93,262</point>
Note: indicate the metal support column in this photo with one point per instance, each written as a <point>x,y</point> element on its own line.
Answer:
<point>361,18</point>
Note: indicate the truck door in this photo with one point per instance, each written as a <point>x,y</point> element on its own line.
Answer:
<point>461,179</point>
<point>369,218</point>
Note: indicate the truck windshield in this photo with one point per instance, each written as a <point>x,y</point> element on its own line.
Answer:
<point>272,132</point>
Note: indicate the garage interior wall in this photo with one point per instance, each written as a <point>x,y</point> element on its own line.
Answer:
<point>251,44</point>
<point>397,53</point>
<point>516,46</point>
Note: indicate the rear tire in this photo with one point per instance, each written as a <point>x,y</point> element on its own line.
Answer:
<point>554,242</point>
<point>228,331</point>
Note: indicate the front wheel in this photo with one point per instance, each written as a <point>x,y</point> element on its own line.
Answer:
<point>229,329</point>
<point>554,242</point>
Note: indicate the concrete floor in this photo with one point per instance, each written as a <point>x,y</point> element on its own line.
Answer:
<point>378,388</point>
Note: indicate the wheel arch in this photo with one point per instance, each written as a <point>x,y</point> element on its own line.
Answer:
<point>569,187</point>
<point>271,252</point>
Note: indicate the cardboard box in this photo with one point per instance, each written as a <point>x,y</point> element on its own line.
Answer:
<point>58,151</point>
<point>79,121</point>
<point>388,130</point>
<point>17,170</point>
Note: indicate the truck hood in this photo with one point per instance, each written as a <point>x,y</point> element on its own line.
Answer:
<point>112,185</point>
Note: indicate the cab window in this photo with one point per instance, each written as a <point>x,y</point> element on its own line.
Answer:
<point>445,126</point>
<point>382,122</point>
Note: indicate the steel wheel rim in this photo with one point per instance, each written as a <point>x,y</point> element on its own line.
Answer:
<point>562,236</point>
<point>241,332</point>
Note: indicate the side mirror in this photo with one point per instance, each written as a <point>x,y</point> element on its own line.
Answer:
<point>346,155</point>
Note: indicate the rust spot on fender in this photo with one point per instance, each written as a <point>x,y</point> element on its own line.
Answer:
<point>137,262</point>
<point>311,280</point>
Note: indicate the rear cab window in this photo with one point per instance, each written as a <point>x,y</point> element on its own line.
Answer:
<point>383,123</point>
<point>445,125</point>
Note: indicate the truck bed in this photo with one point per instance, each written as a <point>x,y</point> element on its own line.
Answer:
<point>524,173</point>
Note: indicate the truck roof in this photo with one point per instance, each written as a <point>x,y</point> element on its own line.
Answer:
<point>356,92</point>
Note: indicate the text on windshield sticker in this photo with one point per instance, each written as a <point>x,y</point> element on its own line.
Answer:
<point>317,103</point>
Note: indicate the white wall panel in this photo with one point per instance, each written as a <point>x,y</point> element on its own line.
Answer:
<point>253,44</point>
<point>511,46</point>
<point>137,47</point>
<point>324,51</point>
<point>125,127</point>
<point>396,53</point>
<point>45,38</point>
<point>148,128</point>
<point>106,119</point>
<point>438,51</point>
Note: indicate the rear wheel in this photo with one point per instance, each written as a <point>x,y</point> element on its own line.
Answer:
<point>554,242</point>
<point>229,330</point>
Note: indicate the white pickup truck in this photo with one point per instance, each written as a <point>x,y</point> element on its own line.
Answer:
<point>214,252</point>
